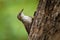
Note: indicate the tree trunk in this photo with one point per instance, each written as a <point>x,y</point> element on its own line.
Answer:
<point>46,22</point>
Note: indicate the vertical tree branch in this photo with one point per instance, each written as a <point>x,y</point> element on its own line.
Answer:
<point>46,22</point>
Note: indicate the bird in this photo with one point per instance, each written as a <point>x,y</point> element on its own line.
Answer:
<point>26,20</point>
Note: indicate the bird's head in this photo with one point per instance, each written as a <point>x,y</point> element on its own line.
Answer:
<point>20,15</point>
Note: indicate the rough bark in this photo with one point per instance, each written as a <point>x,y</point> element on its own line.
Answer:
<point>46,23</point>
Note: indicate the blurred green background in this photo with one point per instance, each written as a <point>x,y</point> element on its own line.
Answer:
<point>10,27</point>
